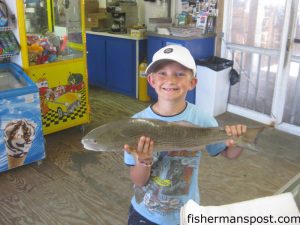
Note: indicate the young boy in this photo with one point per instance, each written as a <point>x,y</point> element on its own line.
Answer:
<point>163,182</point>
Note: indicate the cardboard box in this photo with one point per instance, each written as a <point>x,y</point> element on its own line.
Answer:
<point>103,10</point>
<point>91,22</point>
<point>138,33</point>
<point>98,15</point>
<point>93,19</point>
<point>91,7</point>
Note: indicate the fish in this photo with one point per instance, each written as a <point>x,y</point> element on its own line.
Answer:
<point>167,136</point>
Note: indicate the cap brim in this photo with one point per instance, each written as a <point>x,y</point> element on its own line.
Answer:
<point>153,65</point>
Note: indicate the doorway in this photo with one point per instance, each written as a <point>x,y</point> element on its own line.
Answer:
<point>263,40</point>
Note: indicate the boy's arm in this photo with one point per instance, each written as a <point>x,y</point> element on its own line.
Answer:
<point>140,174</point>
<point>233,151</point>
<point>143,154</point>
<point>228,149</point>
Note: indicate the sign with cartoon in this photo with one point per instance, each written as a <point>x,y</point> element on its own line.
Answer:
<point>63,96</point>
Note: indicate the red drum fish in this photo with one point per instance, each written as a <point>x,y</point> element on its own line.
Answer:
<point>167,136</point>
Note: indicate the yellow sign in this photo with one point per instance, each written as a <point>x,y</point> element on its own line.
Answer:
<point>63,94</point>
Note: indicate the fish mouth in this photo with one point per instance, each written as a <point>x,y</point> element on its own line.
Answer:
<point>89,148</point>
<point>89,144</point>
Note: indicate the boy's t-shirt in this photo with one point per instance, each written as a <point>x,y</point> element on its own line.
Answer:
<point>174,175</point>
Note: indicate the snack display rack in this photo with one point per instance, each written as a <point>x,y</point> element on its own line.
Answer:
<point>9,45</point>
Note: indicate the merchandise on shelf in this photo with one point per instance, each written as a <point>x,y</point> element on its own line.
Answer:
<point>43,49</point>
<point>200,14</point>
<point>49,48</point>
<point>8,44</point>
<point>3,14</point>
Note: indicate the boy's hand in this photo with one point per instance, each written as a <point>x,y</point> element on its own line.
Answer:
<point>234,130</point>
<point>144,151</point>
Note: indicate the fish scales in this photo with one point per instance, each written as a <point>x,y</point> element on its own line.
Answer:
<point>178,136</point>
<point>167,136</point>
<point>172,134</point>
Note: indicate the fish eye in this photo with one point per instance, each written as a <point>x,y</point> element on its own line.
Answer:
<point>95,141</point>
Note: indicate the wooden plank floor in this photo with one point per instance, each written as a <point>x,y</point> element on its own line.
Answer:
<point>74,186</point>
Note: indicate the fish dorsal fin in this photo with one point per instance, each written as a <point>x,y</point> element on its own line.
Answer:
<point>185,123</point>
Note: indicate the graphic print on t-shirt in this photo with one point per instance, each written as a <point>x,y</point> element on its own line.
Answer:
<point>169,183</point>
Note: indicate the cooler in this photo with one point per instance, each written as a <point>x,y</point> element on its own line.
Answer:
<point>21,137</point>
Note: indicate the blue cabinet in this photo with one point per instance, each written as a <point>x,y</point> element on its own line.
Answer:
<point>113,62</point>
<point>200,47</point>
<point>96,60</point>
<point>121,69</point>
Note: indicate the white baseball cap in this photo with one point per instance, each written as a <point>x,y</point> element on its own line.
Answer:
<point>175,53</point>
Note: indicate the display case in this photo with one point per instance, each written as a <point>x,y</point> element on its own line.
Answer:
<point>21,136</point>
<point>54,56</point>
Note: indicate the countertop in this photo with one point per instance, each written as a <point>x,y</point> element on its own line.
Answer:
<point>108,34</point>
<point>181,38</point>
<point>127,36</point>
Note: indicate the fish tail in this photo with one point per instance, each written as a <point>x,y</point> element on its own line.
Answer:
<point>249,139</point>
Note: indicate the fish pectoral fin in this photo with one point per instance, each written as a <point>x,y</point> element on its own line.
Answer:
<point>248,146</point>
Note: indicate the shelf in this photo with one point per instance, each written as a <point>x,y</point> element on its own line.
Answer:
<point>4,56</point>
<point>9,45</point>
<point>5,28</point>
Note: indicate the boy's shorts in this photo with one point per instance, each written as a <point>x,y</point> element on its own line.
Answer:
<point>134,218</point>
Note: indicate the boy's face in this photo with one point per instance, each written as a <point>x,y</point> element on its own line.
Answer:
<point>172,81</point>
